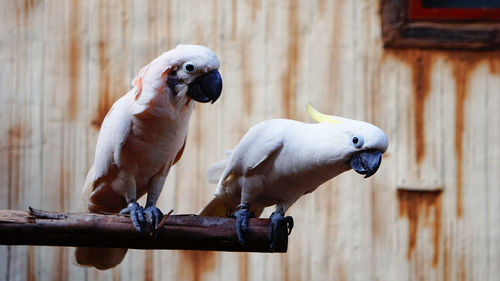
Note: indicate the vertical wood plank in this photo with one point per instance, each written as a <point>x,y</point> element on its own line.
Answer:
<point>7,52</point>
<point>64,136</point>
<point>110,69</point>
<point>472,222</point>
<point>22,147</point>
<point>492,177</point>
<point>476,190</point>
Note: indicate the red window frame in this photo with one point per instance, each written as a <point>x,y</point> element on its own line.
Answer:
<point>417,12</point>
<point>406,24</point>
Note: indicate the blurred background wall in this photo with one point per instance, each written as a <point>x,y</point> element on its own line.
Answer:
<point>430,213</point>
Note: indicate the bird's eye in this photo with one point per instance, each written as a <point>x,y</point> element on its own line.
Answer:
<point>189,67</point>
<point>357,141</point>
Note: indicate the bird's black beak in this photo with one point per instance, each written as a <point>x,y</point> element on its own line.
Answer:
<point>366,162</point>
<point>206,88</point>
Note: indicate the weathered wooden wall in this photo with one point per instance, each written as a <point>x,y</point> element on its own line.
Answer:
<point>430,213</point>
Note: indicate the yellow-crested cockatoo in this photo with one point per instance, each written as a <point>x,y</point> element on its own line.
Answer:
<point>142,136</point>
<point>279,160</point>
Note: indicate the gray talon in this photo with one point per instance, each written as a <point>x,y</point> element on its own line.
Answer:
<point>278,224</point>
<point>242,216</point>
<point>136,215</point>
<point>154,216</point>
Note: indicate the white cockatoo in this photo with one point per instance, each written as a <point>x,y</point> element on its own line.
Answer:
<point>279,160</point>
<point>142,136</point>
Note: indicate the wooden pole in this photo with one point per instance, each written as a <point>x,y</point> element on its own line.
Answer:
<point>180,232</point>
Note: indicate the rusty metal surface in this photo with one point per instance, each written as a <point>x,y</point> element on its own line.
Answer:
<point>65,62</point>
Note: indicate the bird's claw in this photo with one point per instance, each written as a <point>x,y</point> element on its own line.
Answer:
<point>242,215</point>
<point>153,217</point>
<point>278,224</point>
<point>136,214</point>
<point>145,220</point>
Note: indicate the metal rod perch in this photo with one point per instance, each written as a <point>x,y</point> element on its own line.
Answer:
<point>179,232</point>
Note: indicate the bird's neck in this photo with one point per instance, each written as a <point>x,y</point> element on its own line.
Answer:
<point>160,103</point>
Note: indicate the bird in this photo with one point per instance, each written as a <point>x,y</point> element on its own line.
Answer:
<point>279,160</point>
<point>142,136</point>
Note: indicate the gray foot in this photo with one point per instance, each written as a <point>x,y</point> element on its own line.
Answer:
<point>278,224</point>
<point>154,217</point>
<point>242,216</point>
<point>136,214</point>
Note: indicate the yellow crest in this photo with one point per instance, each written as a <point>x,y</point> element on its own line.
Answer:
<point>320,117</point>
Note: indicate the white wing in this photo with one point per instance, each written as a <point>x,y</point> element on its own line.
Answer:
<point>114,132</point>
<point>258,145</point>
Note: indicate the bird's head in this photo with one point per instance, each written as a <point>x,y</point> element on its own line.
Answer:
<point>359,144</point>
<point>184,73</point>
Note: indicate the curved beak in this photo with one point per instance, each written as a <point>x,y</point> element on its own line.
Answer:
<point>206,88</point>
<point>366,162</point>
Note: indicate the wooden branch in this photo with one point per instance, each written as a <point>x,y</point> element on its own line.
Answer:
<point>180,232</point>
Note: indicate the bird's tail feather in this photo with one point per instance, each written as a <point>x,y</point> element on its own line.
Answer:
<point>81,205</point>
<point>218,208</point>
<point>100,258</point>
<point>215,208</point>
<point>215,171</point>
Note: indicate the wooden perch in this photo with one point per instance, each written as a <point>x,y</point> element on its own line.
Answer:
<point>180,232</point>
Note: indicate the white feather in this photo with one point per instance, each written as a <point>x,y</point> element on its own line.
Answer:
<point>215,171</point>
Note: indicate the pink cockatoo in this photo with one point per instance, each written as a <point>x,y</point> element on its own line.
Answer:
<point>142,136</point>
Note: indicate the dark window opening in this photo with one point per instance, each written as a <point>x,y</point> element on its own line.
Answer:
<point>477,4</point>
<point>443,10</point>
